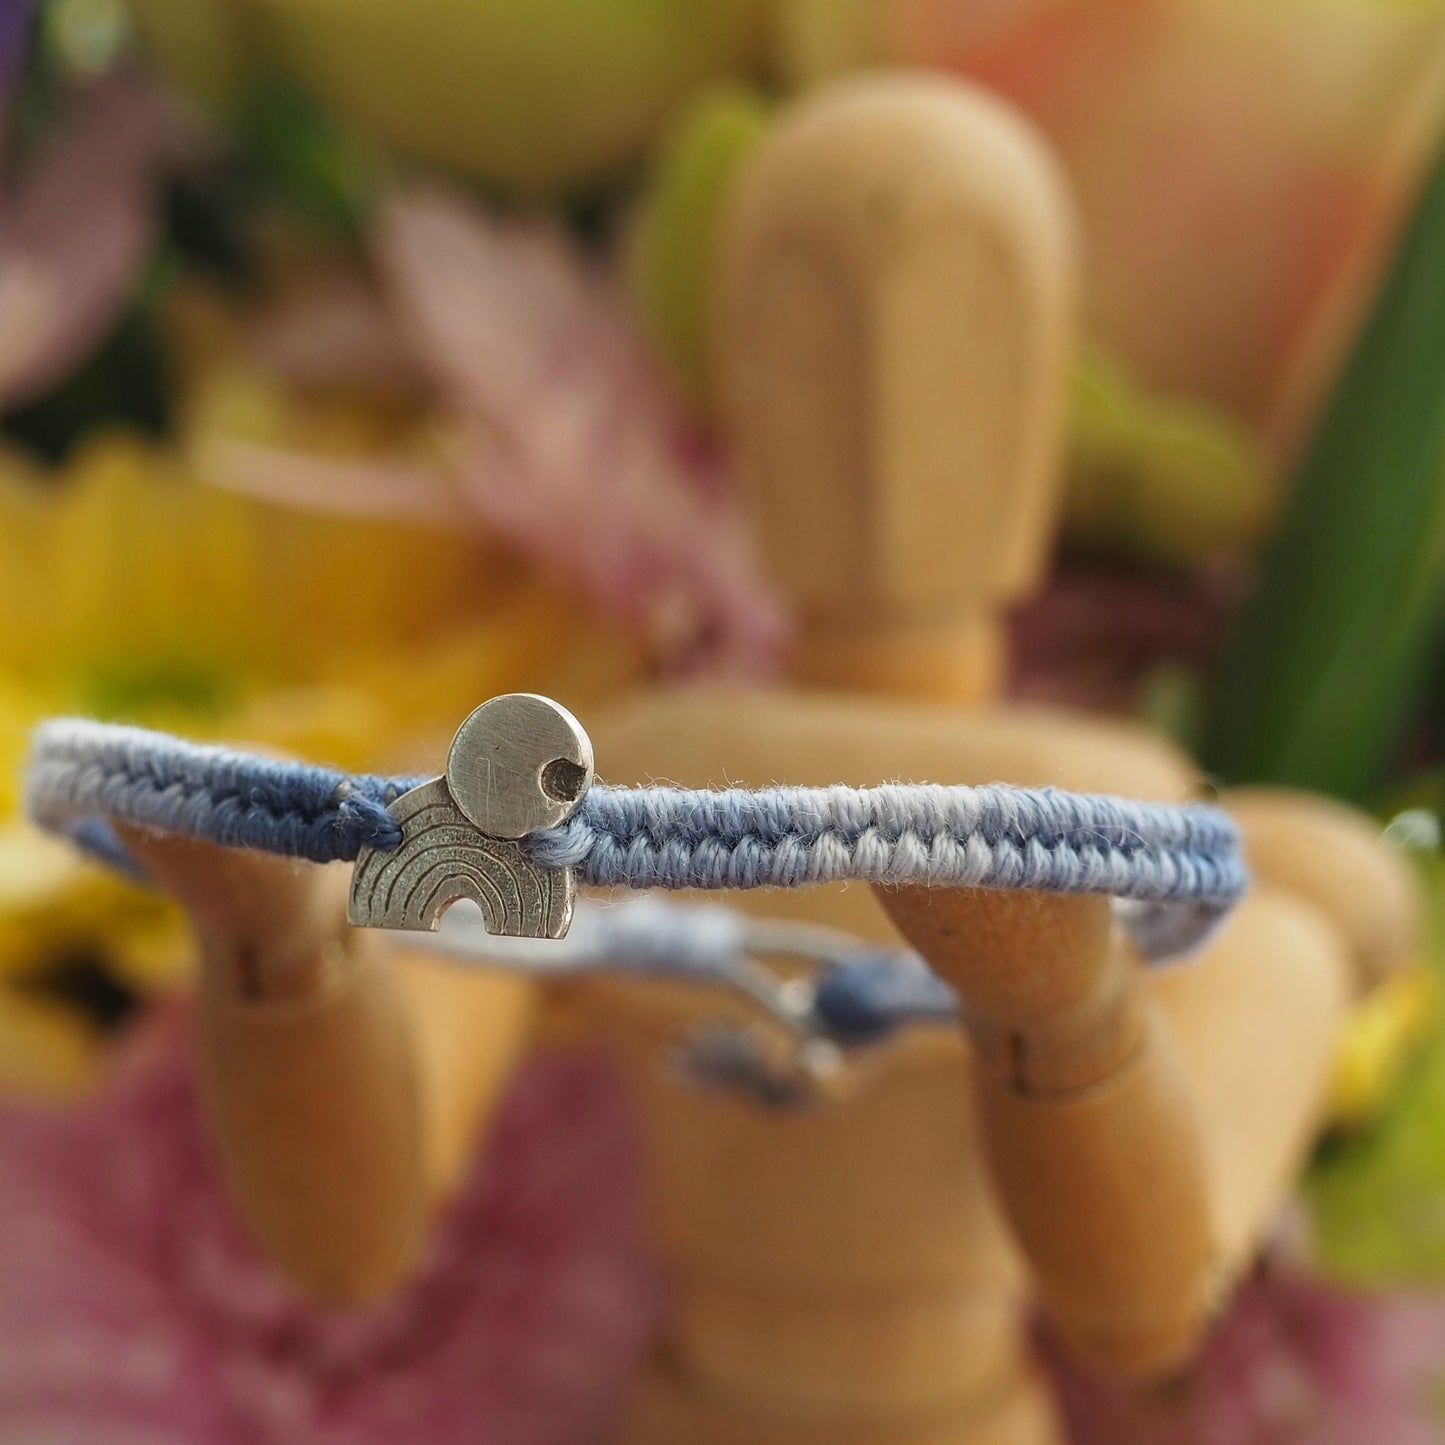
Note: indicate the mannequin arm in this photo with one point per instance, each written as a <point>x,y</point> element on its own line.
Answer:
<point>344,1091</point>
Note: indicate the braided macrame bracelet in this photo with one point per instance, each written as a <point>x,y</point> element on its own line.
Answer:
<point>515,822</point>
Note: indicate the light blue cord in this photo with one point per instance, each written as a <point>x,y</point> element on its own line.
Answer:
<point>850,994</point>
<point>859,993</point>
<point>1179,867</point>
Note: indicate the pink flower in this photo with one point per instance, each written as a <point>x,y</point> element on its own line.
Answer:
<point>559,437</point>
<point>1297,1361</point>
<point>76,229</point>
<point>134,1308</point>
<point>568,444</point>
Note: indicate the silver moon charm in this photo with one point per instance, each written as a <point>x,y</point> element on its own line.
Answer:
<point>519,763</point>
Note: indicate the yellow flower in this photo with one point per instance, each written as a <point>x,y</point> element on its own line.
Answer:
<point>46,1050</point>
<point>132,590</point>
<point>66,923</point>
<point>1384,1032</point>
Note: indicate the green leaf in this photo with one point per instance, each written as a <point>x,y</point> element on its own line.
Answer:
<point>1329,653</point>
<point>674,248</point>
<point>322,174</point>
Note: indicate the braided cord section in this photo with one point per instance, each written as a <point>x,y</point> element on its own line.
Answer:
<point>994,836</point>
<point>84,771</point>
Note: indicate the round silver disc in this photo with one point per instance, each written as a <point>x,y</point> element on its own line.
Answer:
<point>520,762</point>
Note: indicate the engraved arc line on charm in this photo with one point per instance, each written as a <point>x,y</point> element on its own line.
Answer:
<point>520,762</point>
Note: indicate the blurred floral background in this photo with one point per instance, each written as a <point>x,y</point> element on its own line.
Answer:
<point>353,367</point>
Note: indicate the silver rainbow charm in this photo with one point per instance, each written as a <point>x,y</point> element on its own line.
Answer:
<point>519,763</point>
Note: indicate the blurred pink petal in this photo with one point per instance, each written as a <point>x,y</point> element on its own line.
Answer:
<point>76,230</point>
<point>1296,1361</point>
<point>345,486</point>
<point>567,442</point>
<point>134,1309</point>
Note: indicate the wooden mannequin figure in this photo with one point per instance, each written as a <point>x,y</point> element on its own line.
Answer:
<point>893,325</point>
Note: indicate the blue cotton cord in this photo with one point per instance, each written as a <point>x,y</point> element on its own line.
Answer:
<point>1179,867</point>
<point>861,993</point>
<point>81,771</point>
<point>992,836</point>
<point>851,996</point>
